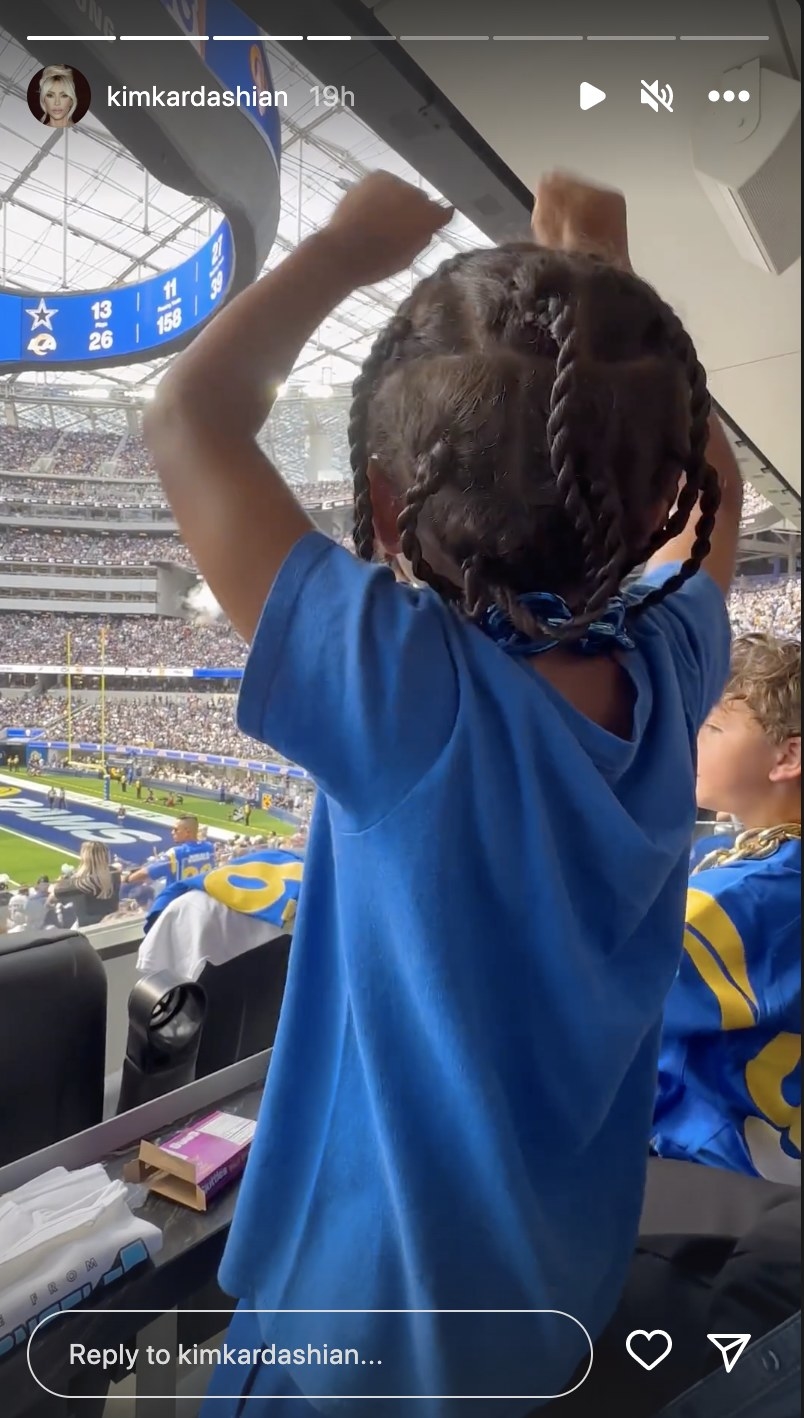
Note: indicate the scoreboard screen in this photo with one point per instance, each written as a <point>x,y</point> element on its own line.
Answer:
<point>122,323</point>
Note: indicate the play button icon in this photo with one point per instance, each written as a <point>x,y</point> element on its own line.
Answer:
<point>590,96</point>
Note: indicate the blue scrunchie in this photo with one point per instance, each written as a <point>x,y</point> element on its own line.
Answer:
<point>607,633</point>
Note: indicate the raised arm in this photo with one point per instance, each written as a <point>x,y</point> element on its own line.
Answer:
<point>236,513</point>
<point>573,215</point>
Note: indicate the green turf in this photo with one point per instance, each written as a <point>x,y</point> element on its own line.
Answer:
<point>24,862</point>
<point>213,814</point>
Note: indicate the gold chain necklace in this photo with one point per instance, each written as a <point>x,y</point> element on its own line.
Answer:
<point>754,845</point>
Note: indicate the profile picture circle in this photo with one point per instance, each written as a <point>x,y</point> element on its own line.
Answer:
<point>59,96</point>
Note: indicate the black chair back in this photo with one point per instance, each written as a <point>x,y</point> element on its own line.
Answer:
<point>52,1039</point>
<point>244,997</point>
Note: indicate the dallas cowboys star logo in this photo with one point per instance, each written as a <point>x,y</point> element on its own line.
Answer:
<point>41,316</point>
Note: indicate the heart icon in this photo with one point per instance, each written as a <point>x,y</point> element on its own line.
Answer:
<point>649,1340</point>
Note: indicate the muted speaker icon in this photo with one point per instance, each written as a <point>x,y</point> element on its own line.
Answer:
<point>656,95</point>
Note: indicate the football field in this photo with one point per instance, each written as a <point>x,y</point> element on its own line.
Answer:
<point>36,840</point>
<point>23,860</point>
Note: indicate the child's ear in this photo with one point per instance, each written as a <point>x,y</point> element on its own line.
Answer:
<point>386,505</point>
<point>787,766</point>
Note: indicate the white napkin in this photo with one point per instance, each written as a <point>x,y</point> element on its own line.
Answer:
<point>61,1235</point>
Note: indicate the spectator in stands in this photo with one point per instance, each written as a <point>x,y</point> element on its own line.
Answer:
<point>145,640</point>
<point>27,907</point>
<point>92,891</point>
<point>49,492</point>
<point>18,910</point>
<point>21,447</point>
<point>37,909</point>
<point>5,897</point>
<point>771,605</point>
<point>192,721</point>
<point>59,548</point>
<point>188,856</point>
<point>406,709</point>
<point>729,1081</point>
<point>133,641</point>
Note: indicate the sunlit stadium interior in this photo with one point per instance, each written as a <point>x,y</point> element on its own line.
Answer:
<point>119,676</point>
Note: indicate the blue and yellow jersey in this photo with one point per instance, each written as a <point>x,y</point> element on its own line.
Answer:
<point>729,1072</point>
<point>712,842</point>
<point>264,884</point>
<point>181,863</point>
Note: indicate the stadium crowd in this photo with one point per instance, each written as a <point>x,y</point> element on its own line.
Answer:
<point>144,642</point>
<point>87,549</point>
<point>195,723</point>
<point>103,456</point>
<point>772,605</point>
<point>70,491</point>
<point>61,491</point>
<point>77,454</point>
<point>36,637</point>
<point>20,447</point>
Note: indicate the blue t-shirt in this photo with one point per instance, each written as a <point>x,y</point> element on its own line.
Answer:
<point>729,1072</point>
<point>459,1102</point>
<point>180,863</point>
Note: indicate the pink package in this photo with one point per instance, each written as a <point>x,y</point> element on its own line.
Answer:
<point>198,1162</point>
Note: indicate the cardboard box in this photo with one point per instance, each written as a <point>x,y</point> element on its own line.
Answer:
<point>198,1162</point>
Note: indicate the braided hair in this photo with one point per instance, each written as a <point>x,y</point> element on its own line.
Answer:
<point>534,414</point>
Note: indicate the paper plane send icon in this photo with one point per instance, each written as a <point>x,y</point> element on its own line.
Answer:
<point>591,95</point>
<point>731,1347</point>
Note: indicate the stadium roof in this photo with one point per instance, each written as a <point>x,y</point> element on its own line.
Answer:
<point>124,226</point>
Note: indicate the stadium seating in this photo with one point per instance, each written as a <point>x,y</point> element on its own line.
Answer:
<point>53,1043</point>
<point>770,1381</point>
<point>244,997</point>
<point>741,1238</point>
<point>85,461</point>
<point>140,641</point>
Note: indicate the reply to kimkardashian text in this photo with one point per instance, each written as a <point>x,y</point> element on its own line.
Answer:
<point>120,1356</point>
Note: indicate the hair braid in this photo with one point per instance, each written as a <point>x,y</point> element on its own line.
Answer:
<point>516,354</point>
<point>703,484</point>
<point>597,514</point>
<point>388,349</point>
<point>384,352</point>
<point>609,578</point>
<point>560,433</point>
<point>433,472</point>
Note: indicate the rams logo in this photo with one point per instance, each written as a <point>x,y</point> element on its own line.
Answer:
<point>41,345</point>
<point>8,792</point>
<point>266,886</point>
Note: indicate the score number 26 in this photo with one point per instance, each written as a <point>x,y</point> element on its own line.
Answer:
<point>100,339</point>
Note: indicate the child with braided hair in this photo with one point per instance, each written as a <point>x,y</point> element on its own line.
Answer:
<point>459,1103</point>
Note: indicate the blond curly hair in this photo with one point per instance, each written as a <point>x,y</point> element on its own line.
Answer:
<point>766,676</point>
